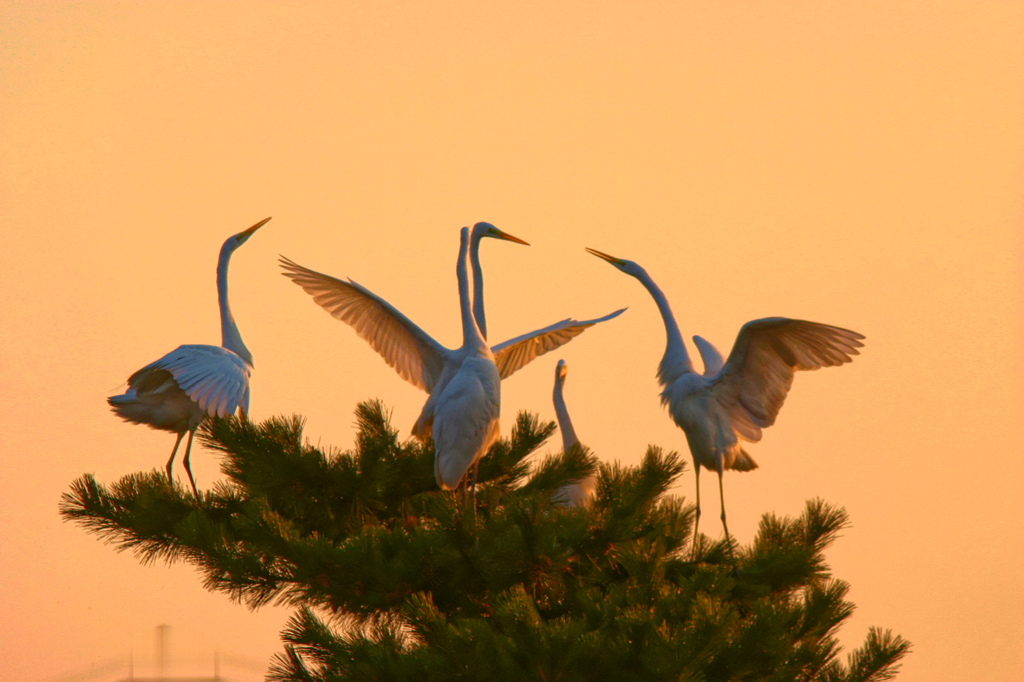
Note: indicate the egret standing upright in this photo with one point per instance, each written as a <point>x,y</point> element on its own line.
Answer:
<point>464,417</point>
<point>178,391</point>
<point>734,401</point>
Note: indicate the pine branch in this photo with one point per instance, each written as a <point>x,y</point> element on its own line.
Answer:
<point>878,659</point>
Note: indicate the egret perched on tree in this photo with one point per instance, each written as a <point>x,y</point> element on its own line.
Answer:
<point>464,383</point>
<point>578,492</point>
<point>178,391</point>
<point>417,357</point>
<point>734,401</point>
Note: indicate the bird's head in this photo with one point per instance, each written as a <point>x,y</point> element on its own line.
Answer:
<point>242,237</point>
<point>627,266</point>
<point>561,370</point>
<point>481,230</point>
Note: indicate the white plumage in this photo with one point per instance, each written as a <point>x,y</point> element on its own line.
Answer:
<point>735,400</point>
<point>178,391</point>
<point>465,417</point>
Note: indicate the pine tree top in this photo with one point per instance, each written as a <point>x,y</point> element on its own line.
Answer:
<point>394,579</point>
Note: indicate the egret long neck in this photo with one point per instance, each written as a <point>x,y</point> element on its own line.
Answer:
<point>231,338</point>
<point>478,286</point>
<point>564,423</point>
<point>470,332</point>
<point>676,360</point>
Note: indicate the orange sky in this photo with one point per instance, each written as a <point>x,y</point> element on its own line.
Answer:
<point>859,164</point>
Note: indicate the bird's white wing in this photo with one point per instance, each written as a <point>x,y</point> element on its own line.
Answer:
<point>709,355</point>
<point>514,354</point>
<point>417,357</point>
<point>213,376</point>
<point>753,384</point>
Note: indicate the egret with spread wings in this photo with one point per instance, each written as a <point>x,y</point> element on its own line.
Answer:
<point>735,400</point>
<point>178,391</point>
<point>464,383</point>
<point>417,357</point>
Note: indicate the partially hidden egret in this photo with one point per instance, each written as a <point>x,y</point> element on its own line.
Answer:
<point>416,356</point>
<point>178,391</point>
<point>734,401</point>
<point>577,493</point>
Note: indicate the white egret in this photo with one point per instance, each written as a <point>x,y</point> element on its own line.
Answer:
<point>464,383</point>
<point>577,493</point>
<point>735,401</point>
<point>417,357</point>
<point>178,391</point>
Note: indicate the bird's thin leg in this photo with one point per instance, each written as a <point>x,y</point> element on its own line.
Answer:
<point>728,538</point>
<point>696,516</point>
<point>188,470</point>
<point>170,462</point>
<point>721,496</point>
<point>462,490</point>
<point>476,473</point>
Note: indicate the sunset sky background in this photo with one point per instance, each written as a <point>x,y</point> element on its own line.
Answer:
<point>859,164</point>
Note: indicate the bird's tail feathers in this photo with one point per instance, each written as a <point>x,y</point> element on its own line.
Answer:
<point>123,399</point>
<point>741,461</point>
<point>128,407</point>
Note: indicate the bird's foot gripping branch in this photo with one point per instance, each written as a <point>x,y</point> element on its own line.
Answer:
<point>394,579</point>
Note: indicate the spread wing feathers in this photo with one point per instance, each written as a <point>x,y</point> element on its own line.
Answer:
<point>417,357</point>
<point>709,355</point>
<point>514,354</point>
<point>214,377</point>
<point>753,384</point>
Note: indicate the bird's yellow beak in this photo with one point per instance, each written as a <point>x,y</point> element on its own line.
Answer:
<point>255,227</point>
<point>611,259</point>
<point>505,235</point>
